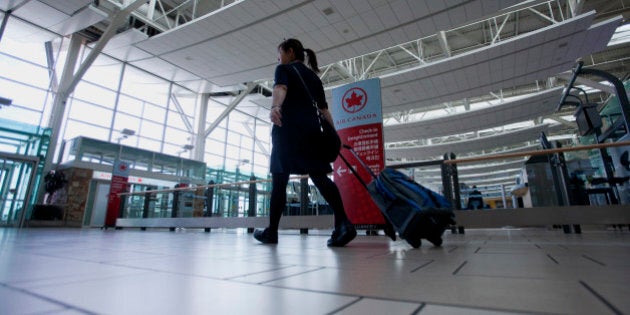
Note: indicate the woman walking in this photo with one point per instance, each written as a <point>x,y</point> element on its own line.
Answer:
<point>295,128</point>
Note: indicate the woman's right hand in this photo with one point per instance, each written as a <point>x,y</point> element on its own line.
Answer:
<point>276,115</point>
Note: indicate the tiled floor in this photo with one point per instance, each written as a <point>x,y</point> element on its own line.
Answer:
<point>501,271</point>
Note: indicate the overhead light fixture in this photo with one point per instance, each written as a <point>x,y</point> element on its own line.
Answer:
<point>328,11</point>
<point>125,134</point>
<point>5,101</point>
<point>185,148</point>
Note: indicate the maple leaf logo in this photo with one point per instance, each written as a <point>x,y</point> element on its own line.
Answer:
<point>354,100</point>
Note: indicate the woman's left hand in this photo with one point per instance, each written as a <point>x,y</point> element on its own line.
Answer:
<point>276,115</point>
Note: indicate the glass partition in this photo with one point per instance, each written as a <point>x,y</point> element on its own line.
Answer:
<point>103,152</point>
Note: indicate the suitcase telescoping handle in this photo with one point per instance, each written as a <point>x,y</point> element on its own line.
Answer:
<point>349,148</point>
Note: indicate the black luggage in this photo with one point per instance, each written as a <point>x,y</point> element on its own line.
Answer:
<point>414,211</point>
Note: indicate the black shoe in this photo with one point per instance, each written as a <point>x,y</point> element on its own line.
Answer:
<point>342,235</point>
<point>435,240</point>
<point>266,236</point>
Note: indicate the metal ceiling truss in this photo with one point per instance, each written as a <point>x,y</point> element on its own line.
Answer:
<point>162,15</point>
<point>448,43</point>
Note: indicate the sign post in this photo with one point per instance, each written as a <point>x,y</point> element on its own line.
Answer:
<point>358,115</point>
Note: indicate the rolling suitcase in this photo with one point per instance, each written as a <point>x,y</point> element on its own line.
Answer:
<point>414,211</point>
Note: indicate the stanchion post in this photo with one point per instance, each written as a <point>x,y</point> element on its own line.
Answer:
<point>450,181</point>
<point>145,208</point>
<point>209,199</point>
<point>251,212</point>
<point>209,202</point>
<point>304,201</point>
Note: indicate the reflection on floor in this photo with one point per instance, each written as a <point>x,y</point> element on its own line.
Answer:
<point>500,271</point>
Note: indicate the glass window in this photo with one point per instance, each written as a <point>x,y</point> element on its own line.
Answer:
<point>172,149</point>
<point>95,94</point>
<point>233,137</point>
<point>215,108</point>
<point>130,105</point>
<point>151,130</point>
<point>90,113</point>
<point>214,146</point>
<point>20,114</point>
<point>247,143</point>
<point>187,100</point>
<point>218,133</point>
<point>124,121</point>
<point>261,170</point>
<point>175,120</point>
<point>13,46</point>
<point>237,121</point>
<point>23,95</point>
<point>234,152</point>
<point>263,131</point>
<point>77,128</point>
<point>145,86</point>
<point>154,113</point>
<point>142,106</point>
<point>177,137</point>
<point>104,71</point>
<point>214,160</point>
<point>261,159</point>
<point>15,69</point>
<point>149,144</point>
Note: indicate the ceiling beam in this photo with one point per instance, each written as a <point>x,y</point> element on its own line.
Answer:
<point>444,43</point>
<point>181,113</point>
<point>250,87</point>
<point>594,84</point>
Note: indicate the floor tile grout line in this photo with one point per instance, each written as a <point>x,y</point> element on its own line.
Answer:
<point>293,275</point>
<point>53,281</point>
<point>460,267</point>
<point>453,249</point>
<point>343,307</point>
<point>601,298</point>
<point>258,272</point>
<point>594,260</point>
<point>418,309</point>
<point>422,266</point>
<point>343,294</point>
<point>377,255</point>
<point>157,256</point>
<point>553,259</point>
<point>45,298</point>
<point>486,308</point>
<point>179,273</point>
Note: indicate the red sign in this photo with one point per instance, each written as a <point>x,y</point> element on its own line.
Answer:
<point>358,118</point>
<point>120,178</point>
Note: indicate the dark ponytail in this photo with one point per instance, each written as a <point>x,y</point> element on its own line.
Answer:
<point>312,60</point>
<point>299,52</point>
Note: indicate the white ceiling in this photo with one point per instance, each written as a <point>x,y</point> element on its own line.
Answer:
<point>61,17</point>
<point>239,43</point>
<point>533,56</point>
<point>528,108</point>
<point>433,151</point>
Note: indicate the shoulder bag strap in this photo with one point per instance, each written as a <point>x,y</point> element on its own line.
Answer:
<point>307,90</point>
